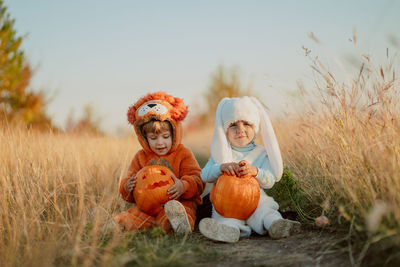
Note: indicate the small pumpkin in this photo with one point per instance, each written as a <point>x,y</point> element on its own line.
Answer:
<point>235,197</point>
<point>152,183</point>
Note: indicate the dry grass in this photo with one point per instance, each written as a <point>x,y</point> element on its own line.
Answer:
<point>56,194</point>
<point>345,149</point>
<point>49,185</point>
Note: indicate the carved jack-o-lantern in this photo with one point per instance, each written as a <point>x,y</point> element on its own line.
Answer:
<point>235,197</point>
<point>152,183</point>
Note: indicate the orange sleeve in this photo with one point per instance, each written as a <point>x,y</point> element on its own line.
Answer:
<point>133,169</point>
<point>190,176</point>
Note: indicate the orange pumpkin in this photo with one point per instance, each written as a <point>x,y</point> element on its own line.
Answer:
<point>152,183</point>
<point>235,197</point>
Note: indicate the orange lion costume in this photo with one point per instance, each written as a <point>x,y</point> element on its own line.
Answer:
<point>162,107</point>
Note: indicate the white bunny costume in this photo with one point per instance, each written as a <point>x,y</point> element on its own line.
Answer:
<point>266,158</point>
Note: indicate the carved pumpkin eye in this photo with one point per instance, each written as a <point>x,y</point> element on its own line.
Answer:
<point>162,172</point>
<point>143,177</point>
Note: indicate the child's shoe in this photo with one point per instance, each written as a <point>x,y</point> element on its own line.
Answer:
<point>283,228</point>
<point>218,231</point>
<point>177,217</point>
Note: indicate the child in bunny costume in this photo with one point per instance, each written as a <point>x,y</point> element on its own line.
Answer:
<point>233,151</point>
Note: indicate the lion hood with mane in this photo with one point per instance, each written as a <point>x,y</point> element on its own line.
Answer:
<point>162,107</point>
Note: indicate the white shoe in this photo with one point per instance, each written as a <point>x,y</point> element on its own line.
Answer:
<point>283,228</point>
<point>177,217</point>
<point>218,231</point>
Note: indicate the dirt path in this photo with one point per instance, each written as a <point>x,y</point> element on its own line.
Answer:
<point>310,248</point>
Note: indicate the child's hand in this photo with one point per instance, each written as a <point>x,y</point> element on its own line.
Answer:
<point>130,184</point>
<point>230,168</point>
<point>246,169</point>
<point>177,189</point>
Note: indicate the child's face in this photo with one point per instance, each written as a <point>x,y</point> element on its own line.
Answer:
<point>160,143</point>
<point>240,133</point>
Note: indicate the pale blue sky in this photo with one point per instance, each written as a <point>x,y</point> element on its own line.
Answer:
<point>109,53</point>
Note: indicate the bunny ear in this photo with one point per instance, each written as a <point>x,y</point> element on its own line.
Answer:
<point>270,142</point>
<point>221,151</point>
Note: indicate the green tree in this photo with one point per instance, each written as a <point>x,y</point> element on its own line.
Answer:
<point>16,102</point>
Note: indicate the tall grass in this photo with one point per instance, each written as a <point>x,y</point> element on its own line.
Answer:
<point>50,186</point>
<point>58,191</point>
<point>344,146</point>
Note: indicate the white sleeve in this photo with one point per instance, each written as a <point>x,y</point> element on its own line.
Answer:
<point>266,179</point>
<point>211,171</point>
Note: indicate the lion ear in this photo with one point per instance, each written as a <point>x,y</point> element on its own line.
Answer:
<point>132,114</point>
<point>179,110</point>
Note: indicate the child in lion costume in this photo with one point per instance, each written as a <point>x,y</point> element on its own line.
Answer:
<point>156,119</point>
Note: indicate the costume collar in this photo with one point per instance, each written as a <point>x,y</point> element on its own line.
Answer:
<point>245,148</point>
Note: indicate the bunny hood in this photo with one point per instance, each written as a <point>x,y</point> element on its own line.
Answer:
<point>248,109</point>
<point>162,107</point>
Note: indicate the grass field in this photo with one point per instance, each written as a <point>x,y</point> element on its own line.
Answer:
<point>58,190</point>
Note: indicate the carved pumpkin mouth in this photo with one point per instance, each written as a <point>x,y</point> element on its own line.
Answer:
<point>157,184</point>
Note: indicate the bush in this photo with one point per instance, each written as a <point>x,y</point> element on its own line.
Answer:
<point>291,198</point>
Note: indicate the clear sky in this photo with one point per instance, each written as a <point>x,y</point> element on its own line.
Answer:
<point>109,53</point>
